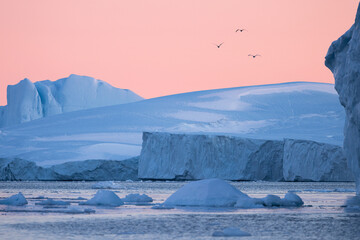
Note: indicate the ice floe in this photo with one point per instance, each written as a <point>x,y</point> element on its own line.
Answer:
<point>15,200</point>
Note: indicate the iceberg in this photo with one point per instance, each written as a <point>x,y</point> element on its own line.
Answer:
<point>189,157</point>
<point>171,156</point>
<point>104,198</point>
<point>15,200</point>
<point>28,101</point>
<point>137,198</point>
<point>343,60</point>
<point>89,170</point>
<point>306,160</point>
<point>205,193</point>
<point>218,193</point>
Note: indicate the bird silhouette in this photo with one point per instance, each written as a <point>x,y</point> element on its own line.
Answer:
<point>240,30</point>
<point>254,56</point>
<point>218,46</point>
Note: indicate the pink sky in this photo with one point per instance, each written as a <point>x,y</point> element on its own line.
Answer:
<point>163,47</point>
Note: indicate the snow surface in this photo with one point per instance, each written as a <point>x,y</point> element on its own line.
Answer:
<point>192,157</point>
<point>28,101</point>
<point>300,110</point>
<point>136,197</point>
<point>231,232</point>
<point>343,60</point>
<point>104,198</point>
<point>218,193</point>
<point>15,200</point>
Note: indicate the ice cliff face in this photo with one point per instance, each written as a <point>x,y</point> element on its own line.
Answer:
<point>343,59</point>
<point>28,101</point>
<point>180,156</point>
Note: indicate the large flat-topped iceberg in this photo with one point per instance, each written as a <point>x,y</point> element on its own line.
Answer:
<point>187,156</point>
<point>28,101</point>
<point>299,110</point>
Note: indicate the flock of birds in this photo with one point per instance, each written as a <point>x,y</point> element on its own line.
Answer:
<point>240,30</point>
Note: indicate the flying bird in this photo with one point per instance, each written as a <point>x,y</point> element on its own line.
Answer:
<point>254,56</point>
<point>218,46</point>
<point>240,30</point>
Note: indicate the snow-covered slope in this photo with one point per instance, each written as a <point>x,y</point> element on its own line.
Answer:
<point>28,101</point>
<point>343,60</point>
<point>301,110</point>
<point>180,156</point>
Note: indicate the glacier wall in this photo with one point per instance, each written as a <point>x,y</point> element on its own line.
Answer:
<point>312,161</point>
<point>343,59</point>
<point>181,156</point>
<point>28,101</point>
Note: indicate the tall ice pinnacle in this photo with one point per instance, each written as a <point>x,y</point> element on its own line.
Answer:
<point>343,59</point>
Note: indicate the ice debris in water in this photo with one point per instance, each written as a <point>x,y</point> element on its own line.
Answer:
<point>15,200</point>
<point>219,193</point>
<point>353,204</point>
<point>52,202</point>
<point>76,210</point>
<point>105,185</point>
<point>137,198</point>
<point>231,232</point>
<point>104,198</point>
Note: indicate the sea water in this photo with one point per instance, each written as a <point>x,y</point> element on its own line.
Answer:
<point>323,215</point>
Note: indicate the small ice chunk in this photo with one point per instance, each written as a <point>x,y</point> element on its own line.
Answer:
<point>272,200</point>
<point>353,204</point>
<point>39,197</point>
<point>291,199</point>
<point>344,190</point>
<point>104,198</point>
<point>15,200</point>
<point>76,210</point>
<point>52,202</point>
<point>81,198</point>
<point>206,193</point>
<point>129,180</point>
<point>137,198</point>
<point>248,202</point>
<point>105,185</point>
<point>231,232</point>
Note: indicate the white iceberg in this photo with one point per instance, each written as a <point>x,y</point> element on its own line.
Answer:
<point>207,193</point>
<point>219,193</point>
<point>15,200</point>
<point>137,198</point>
<point>28,101</point>
<point>231,232</point>
<point>104,198</point>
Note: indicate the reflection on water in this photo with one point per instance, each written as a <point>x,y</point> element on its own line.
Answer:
<point>322,217</point>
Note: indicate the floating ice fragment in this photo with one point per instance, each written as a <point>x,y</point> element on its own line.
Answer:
<point>137,198</point>
<point>52,202</point>
<point>105,185</point>
<point>291,199</point>
<point>231,232</point>
<point>15,200</point>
